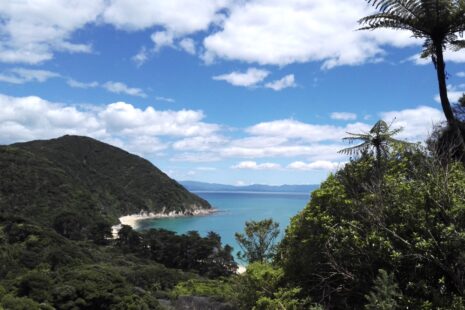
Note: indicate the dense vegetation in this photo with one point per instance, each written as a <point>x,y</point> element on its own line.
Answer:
<point>40,269</point>
<point>58,200</point>
<point>409,223</point>
<point>81,180</point>
<point>387,231</point>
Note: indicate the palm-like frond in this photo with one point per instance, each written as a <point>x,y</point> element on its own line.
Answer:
<point>442,20</point>
<point>356,149</point>
<point>379,138</point>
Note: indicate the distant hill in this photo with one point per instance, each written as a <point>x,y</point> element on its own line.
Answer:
<point>41,179</point>
<point>201,186</point>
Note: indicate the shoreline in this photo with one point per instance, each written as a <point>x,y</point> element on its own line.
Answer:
<point>133,219</point>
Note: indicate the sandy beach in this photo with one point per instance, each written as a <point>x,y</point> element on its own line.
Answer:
<point>132,219</point>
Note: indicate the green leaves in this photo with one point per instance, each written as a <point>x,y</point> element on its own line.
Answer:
<point>412,226</point>
<point>258,241</point>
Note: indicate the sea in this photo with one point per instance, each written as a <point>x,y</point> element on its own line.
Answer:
<point>233,210</point>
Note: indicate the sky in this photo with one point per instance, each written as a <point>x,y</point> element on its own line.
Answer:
<point>224,91</point>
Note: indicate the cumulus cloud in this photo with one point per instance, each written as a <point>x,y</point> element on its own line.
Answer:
<point>177,16</point>
<point>316,165</point>
<point>22,75</point>
<point>417,123</point>
<point>251,77</point>
<point>278,32</point>
<point>294,129</point>
<point>121,117</point>
<point>121,88</point>
<point>162,39</point>
<point>33,30</point>
<point>188,138</point>
<point>252,165</point>
<point>188,45</point>
<point>344,116</point>
<point>285,82</point>
<point>121,124</point>
<point>291,149</point>
<point>274,32</point>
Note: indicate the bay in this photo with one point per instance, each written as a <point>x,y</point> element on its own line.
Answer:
<point>234,209</point>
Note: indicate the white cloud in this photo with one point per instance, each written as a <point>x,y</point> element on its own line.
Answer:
<point>291,149</point>
<point>460,74</point>
<point>162,39</point>
<point>344,116</point>
<point>199,157</point>
<point>281,32</point>
<point>290,128</point>
<point>121,88</point>
<point>285,82</point>
<point>141,57</point>
<point>417,123</point>
<point>454,92</point>
<point>449,56</point>
<point>22,75</point>
<point>206,169</point>
<point>177,16</point>
<point>188,138</point>
<point>252,165</point>
<point>121,124</point>
<point>453,96</point>
<point>124,118</point>
<point>146,144</point>
<point>316,165</point>
<point>27,118</point>
<point>188,45</point>
<point>200,143</point>
<point>249,78</point>
<point>33,30</point>
<point>77,84</point>
<point>165,99</point>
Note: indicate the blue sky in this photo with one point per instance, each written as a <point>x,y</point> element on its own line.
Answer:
<point>226,91</point>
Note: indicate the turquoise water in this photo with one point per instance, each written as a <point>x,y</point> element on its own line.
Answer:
<point>234,209</point>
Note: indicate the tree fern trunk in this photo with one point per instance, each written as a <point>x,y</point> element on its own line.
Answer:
<point>441,73</point>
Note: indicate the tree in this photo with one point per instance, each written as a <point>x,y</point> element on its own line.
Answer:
<point>438,22</point>
<point>334,248</point>
<point>385,293</point>
<point>379,138</point>
<point>259,241</point>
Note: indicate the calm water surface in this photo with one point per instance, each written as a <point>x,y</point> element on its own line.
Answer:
<point>234,209</point>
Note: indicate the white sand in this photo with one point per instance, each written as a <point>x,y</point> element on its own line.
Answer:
<point>132,219</point>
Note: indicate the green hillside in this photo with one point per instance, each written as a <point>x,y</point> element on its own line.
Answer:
<point>42,179</point>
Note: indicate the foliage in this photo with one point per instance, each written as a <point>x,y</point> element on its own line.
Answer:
<point>439,22</point>
<point>206,255</point>
<point>412,227</point>
<point>79,186</point>
<point>379,140</point>
<point>219,289</point>
<point>258,242</point>
<point>40,268</point>
<point>385,293</point>
<point>262,287</point>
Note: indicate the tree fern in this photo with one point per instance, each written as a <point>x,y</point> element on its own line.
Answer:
<point>439,22</point>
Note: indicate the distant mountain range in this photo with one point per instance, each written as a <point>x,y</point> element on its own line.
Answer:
<point>213,187</point>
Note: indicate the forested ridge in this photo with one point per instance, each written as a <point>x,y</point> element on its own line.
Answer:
<point>45,179</point>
